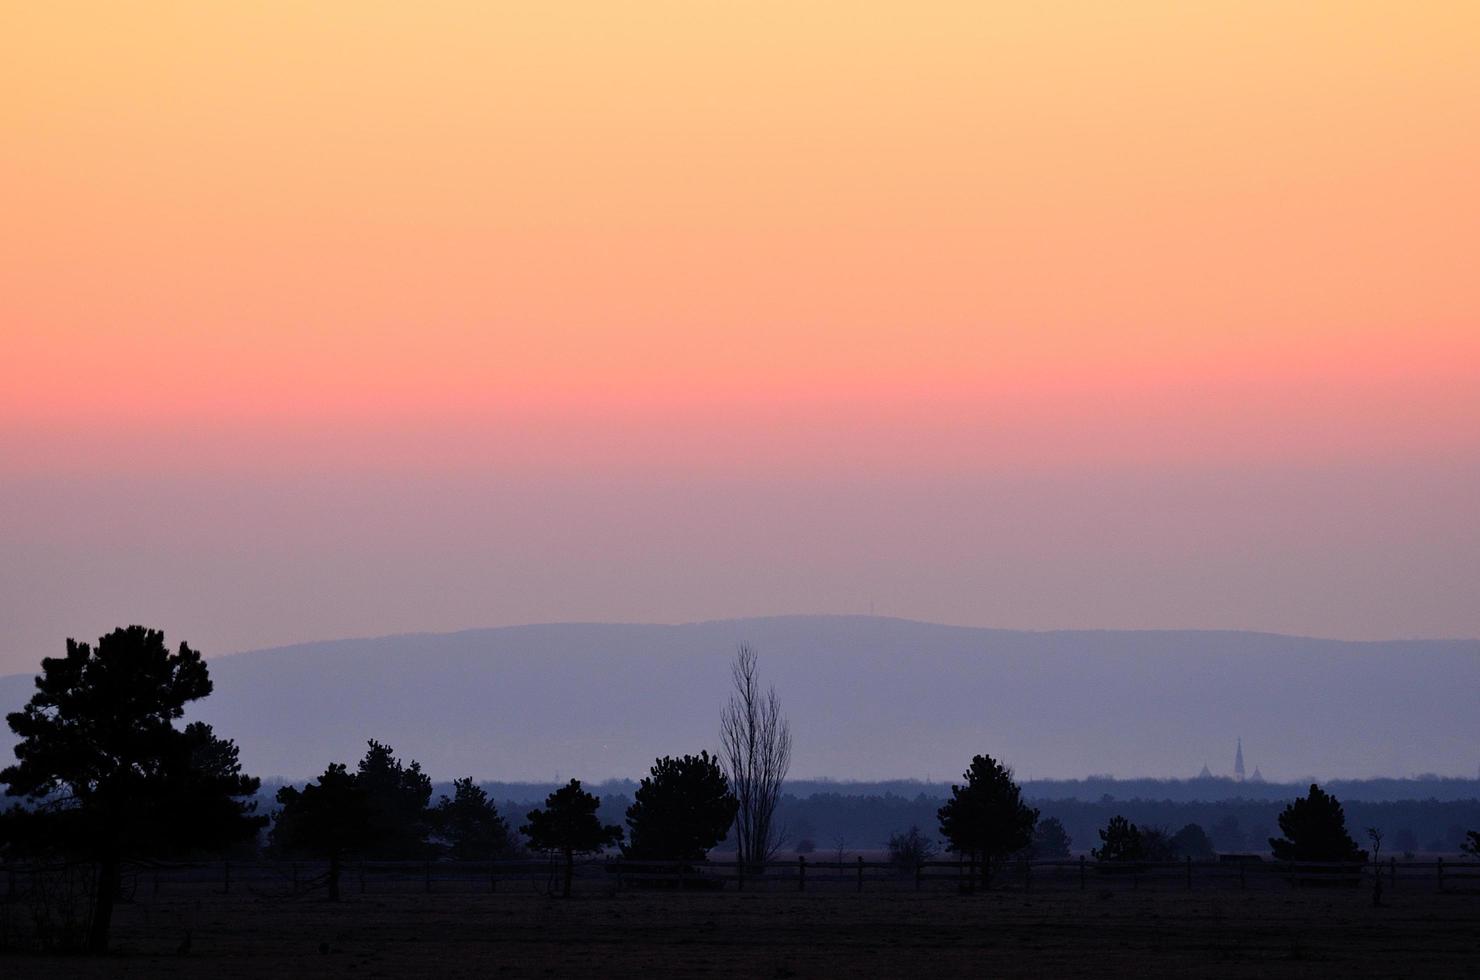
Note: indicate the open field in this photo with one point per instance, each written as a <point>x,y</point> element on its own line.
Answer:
<point>1159,932</point>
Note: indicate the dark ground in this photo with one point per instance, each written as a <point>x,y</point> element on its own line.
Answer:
<point>1068,933</point>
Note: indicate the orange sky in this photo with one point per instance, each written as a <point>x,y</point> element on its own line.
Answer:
<point>808,241</point>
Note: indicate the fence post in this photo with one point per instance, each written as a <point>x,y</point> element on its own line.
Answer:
<point>860,874</point>
<point>801,872</point>
<point>1081,872</point>
<point>919,874</point>
<point>1393,873</point>
<point>1189,872</point>
<point>1440,867</point>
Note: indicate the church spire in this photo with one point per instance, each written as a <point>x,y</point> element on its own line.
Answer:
<point>1238,760</point>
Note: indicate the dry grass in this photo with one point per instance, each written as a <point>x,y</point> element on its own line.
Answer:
<point>1069,933</point>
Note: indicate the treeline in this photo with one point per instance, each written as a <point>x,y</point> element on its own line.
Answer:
<point>1235,826</point>
<point>1094,788</point>
<point>383,809</point>
<point>1245,826</point>
<point>109,777</point>
<point>1424,787</point>
<point>831,821</point>
<point>823,821</point>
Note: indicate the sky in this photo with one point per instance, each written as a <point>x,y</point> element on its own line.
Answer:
<point>353,318</point>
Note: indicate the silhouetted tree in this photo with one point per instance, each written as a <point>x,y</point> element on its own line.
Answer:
<point>1228,835</point>
<point>909,850</point>
<point>755,745</point>
<point>680,810</point>
<point>568,826</point>
<point>109,775</point>
<point>1051,841</point>
<point>986,818</point>
<point>1120,841</point>
<point>330,819</point>
<point>1315,830</point>
<point>1375,835</point>
<point>1472,843</point>
<point>1192,842</point>
<point>398,796</point>
<point>804,833</point>
<point>1156,844</point>
<point>470,824</point>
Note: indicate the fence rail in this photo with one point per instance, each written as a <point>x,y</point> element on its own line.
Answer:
<point>541,875</point>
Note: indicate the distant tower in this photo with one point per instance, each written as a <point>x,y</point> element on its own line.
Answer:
<point>1206,772</point>
<point>1238,761</point>
<point>1258,776</point>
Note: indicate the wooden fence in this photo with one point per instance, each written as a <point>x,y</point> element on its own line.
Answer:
<point>541,876</point>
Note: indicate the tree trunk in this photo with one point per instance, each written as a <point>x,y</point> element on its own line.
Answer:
<point>107,894</point>
<point>334,867</point>
<point>570,867</point>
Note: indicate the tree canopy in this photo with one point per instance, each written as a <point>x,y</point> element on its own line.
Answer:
<point>680,810</point>
<point>111,776</point>
<point>568,825</point>
<point>330,818</point>
<point>1050,840</point>
<point>398,796</point>
<point>986,818</point>
<point>1120,841</point>
<point>1157,844</point>
<point>380,810</point>
<point>469,824</point>
<point>1314,826</point>
<point>1192,841</point>
<point>910,849</point>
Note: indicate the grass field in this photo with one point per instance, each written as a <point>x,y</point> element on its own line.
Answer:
<point>1070,933</point>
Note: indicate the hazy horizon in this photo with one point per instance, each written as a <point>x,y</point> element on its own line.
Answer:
<point>412,633</point>
<point>869,697</point>
<point>296,642</point>
<point>817,614</point>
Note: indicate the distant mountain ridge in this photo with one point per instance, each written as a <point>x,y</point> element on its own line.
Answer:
<point>868,697</point>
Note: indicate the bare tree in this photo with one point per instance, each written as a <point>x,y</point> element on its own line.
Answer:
<point>755,743</point>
